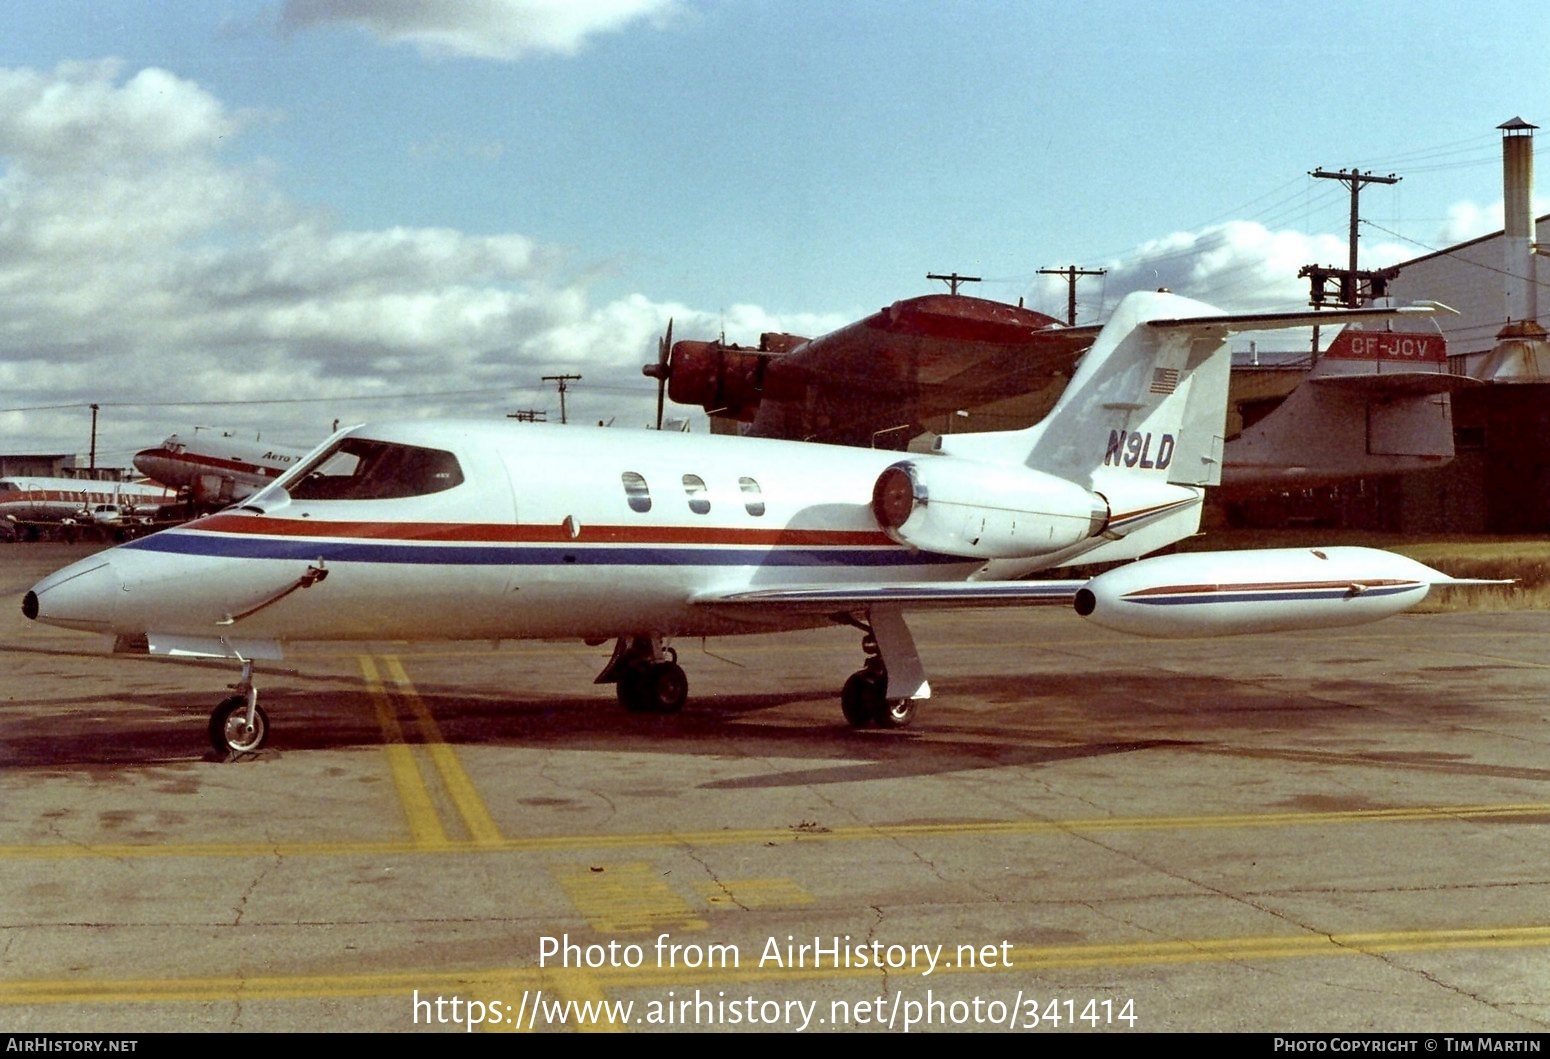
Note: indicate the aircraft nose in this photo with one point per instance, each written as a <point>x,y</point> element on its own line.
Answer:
<point>81,596</point>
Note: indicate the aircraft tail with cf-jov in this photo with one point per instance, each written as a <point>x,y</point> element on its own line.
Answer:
<point>464,530</point>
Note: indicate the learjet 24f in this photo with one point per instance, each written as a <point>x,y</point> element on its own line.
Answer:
<point>448,531</point>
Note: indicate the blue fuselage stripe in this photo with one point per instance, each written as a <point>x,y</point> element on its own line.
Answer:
<point>246,547</point>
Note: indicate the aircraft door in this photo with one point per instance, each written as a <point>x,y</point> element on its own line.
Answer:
<point>513,577</point>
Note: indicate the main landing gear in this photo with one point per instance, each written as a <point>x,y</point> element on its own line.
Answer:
<point>646,675</point>
<point>239,724</point>
<point>864,699</point>
<point>884,692</point>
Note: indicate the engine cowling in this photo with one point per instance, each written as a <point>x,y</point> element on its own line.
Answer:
<point>213,489</point>
<point>1268,590</point>
<point>984,510</point>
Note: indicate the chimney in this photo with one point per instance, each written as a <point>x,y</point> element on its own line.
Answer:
<point>1522,353</point>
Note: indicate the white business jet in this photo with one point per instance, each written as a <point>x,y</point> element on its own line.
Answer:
<point>442,530</point>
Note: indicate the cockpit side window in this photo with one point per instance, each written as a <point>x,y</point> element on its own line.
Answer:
<point>636,491</point>
<point>363,469</point>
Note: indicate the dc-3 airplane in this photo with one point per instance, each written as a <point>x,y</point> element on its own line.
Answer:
<point>1374,404</point>
<point>440,530</point>
<point>216,467</point>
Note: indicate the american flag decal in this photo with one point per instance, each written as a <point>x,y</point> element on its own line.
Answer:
<point>1165,380</point>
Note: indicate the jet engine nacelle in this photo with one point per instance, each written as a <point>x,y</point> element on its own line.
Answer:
<point>1270,590</point>
<point>984,510</point>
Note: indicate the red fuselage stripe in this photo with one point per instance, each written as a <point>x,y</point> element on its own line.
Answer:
<point>530,534</point>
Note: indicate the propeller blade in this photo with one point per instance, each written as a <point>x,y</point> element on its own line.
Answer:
<point>663,368</point>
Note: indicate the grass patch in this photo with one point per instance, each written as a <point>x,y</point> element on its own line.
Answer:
<point>1524,560</point>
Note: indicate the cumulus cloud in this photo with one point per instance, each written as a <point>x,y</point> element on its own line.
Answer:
<point>1237,266</point>
<point>140,266</point>
<point>502,30</point>
<point>143,269</point>
<point>1470,220</point>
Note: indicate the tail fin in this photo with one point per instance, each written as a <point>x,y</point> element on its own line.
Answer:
<point>1149,399</point>
<point>1376,403</point>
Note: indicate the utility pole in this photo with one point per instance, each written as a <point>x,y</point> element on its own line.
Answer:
<point>562,380</point>
<point>529,415</point>
<point>952,280</point>
<point>92,460</point>
<point>1071,272</point>
<point>1354,181</point>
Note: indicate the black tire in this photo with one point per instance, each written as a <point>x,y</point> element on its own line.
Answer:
<point>630,690</point>
<point>659,688</point>
<point>228,727</point>
<point>668,687</point>
<point>862,698</point>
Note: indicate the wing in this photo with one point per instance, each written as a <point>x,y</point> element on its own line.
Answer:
<point>819,600</point>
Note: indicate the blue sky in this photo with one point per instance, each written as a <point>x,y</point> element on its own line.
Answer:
<point>322,209</point>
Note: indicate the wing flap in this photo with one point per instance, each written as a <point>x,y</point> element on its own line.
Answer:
<point>212,647</point>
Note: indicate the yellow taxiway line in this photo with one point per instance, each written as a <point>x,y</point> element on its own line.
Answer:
<point>959,829</point>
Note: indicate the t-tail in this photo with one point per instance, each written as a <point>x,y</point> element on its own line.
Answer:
<point>1120,465</point>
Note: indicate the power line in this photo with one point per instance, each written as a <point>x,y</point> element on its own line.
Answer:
<point>352,398</point>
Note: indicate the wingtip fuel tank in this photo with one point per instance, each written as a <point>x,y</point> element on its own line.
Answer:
<point>1224,593</point>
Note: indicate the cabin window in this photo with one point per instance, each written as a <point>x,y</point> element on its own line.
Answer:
<point>636,491</point>
<point>364,469</point>
<point>753,498</point>
<point>694,487</point>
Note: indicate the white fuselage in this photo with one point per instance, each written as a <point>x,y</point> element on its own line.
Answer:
<point>552,532</point>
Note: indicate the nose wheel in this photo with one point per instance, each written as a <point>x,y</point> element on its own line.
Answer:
<point>239,724</point>
<point>235,729</point>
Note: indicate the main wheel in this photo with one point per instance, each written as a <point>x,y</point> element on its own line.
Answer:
<point>229,731</point>
<point>863,697</point>
<point>658,688</point>
<point>629,690</point>
<point>895,713</point>
<point>667,687</point>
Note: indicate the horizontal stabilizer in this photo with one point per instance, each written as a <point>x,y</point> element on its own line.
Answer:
<point>1232,322</point>
<point>1398,383</point>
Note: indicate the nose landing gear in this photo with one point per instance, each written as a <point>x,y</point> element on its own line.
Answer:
<point>239,724</point>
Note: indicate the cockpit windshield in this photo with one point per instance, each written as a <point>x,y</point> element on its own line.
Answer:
<point>364,469</point>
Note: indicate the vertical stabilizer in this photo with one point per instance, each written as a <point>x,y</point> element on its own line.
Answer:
<point>1148,400</point>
